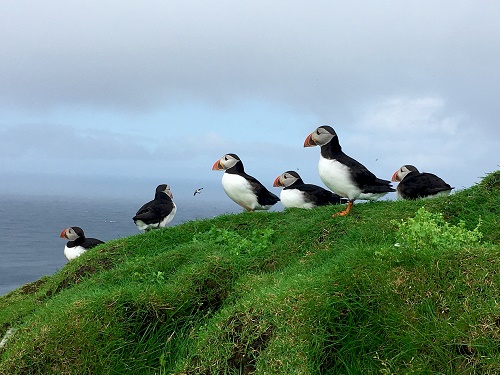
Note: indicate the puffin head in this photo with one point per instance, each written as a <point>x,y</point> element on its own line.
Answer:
<point>286,179</point>
<point>321,136</point>
<point>402,172</point>
<point>164,188</point>
<point>226,162</point>
<point>72,233</point>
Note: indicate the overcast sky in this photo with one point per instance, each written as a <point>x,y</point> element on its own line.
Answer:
<point>94,94</point>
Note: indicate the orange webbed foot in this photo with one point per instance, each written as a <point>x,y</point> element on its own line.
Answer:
<point>346,211</point>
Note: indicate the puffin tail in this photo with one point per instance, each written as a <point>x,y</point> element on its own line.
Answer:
<point>269,200</point>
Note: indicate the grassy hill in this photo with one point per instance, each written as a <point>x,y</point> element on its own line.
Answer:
<point>392,288</point>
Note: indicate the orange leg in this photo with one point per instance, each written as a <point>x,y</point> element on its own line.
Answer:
<point>346,211</point>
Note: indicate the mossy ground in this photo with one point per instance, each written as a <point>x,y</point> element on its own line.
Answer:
<point>293,292</point>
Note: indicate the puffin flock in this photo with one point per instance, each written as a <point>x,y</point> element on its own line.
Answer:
<point>347,179</point>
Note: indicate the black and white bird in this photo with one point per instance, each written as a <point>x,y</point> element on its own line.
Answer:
<point>414,184</point>
<point>242,188</point>
<point>156,213</point>
<point>297,194</point>
<point>197,191</point>
<point>341,173</point>
<point>78,243</point>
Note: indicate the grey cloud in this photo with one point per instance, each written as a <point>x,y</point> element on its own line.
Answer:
<point>320,56</point>
<point>64,142</point>
<point>389,76</point>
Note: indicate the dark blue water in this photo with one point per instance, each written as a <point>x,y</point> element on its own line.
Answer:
<point>30,246</point>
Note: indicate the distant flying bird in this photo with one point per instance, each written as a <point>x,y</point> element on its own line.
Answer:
<point>242,188</point>
<point>78,243</point>
<point>300,195</point>
<point>198,191</point>
<point>341,173</point>
<point>414,184</point>
<point>156,213</point>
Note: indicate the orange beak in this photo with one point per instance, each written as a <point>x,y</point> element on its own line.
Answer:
<point>63,234</point>
<point>309,141</point>
<point>217,166</point>
<point>277,182</point>
<point>395,177</point>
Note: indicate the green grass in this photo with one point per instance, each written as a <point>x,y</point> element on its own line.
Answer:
<point>293,292</point>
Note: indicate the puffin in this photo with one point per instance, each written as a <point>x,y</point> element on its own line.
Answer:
<point>414,184</point>
<point>297,194</point>
<point>157,213</point>
<point>242,188</point>
<point>78,243</point>
<point>341,173</point>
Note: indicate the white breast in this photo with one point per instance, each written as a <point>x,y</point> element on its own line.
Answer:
<point>73,252</point>
<point>169,217</point>
<point>294,198</point>
<point>398,195</point>
<point>337,177</point>
<point>440,194</point>
<point>443,193</point>
<point>240,191</point>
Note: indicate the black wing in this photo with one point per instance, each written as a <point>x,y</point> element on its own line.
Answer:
<point>362,177</point>
<point>319,196</point>
<point>422,185</point>
<point>91,242</point>
<point>264,196</point>
<point>154,211</point>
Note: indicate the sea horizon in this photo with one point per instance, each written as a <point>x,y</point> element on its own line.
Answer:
<point>30,225</point>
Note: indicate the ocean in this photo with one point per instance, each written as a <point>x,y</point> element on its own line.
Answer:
<point>30,226</point>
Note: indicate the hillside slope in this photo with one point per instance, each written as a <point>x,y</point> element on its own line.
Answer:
<point>293,292</point>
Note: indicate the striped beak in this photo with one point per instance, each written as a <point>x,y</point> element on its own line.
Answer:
<point>217,166</point>
<point>309,141</point>
<point>277,182</point>
<point>395,177</point>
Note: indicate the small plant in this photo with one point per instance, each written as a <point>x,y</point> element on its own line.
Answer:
<point>157,277</point>
<point>429,231</point>
<point>234,242</point>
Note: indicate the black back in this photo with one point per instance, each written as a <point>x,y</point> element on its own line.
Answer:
<point>156,210</point>
<point>313,193</point>
<point>419,185</point>
<point>83,241</point>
